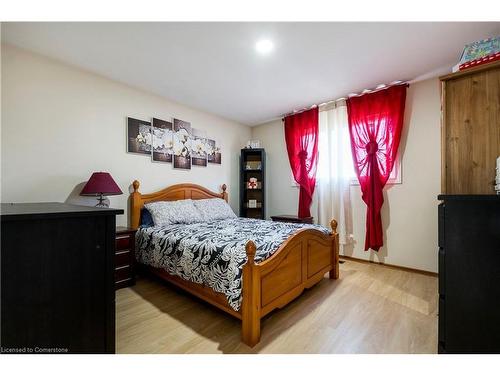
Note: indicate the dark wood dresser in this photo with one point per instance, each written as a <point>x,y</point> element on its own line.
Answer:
<point>469,274</point>
<point>58,291</point>
<point>124,257</point>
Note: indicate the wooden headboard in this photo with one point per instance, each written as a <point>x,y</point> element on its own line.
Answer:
<point>171,193</point>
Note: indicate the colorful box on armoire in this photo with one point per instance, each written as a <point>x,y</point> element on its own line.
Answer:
<point>480,52</point>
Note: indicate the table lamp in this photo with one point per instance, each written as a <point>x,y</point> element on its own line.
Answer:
<point>101,184</point>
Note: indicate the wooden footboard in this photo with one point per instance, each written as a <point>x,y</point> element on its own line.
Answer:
<point>299,263</point>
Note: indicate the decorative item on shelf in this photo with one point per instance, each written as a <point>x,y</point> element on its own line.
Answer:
<point>252,203</point>
<point>479,53</point>
<point>255,143</point>
<point>253,183</point>
<point>101,184</point>
<point>253,166</point>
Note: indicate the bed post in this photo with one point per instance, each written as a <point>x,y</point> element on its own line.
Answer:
<point>135,206</point>
<point>334,272</point>
<point>224,193</point>
<point>250,306</point>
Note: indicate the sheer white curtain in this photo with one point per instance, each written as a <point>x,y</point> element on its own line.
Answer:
<point>335,170</point>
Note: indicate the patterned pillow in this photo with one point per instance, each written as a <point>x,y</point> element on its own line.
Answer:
<point>214,209</point>
<point>174,212</point>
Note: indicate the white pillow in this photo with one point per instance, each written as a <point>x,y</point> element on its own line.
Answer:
<point>174,212</point>
<point>214,209</point>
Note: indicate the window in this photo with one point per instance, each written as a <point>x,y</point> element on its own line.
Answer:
<point>395,175</point>
<point>338,136</point>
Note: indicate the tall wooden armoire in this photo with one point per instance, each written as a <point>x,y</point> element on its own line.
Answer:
<point>470,130</point>
<point>469,213</point>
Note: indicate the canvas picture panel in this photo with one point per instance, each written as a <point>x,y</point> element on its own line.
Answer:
<point>163,144</point>
<point>139,138</point>
<point>213,151</point>
<point>199,148</point>
<point>182,144</point>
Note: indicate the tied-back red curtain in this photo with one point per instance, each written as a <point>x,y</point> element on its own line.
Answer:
<point>375,124</point>
<point>301,137</point>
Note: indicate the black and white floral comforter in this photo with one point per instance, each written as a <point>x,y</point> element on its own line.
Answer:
<point>213,253</point>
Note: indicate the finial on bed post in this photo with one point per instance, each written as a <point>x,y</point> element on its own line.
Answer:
<point>333,225</point>
<point>250,249</point>
<point>251,301</point>
<point>224,193</point>
<point>334,272</point>
<point>136,185</point>
<point>135,206</point>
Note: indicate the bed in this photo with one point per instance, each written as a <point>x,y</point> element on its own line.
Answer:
<point>273,267</point>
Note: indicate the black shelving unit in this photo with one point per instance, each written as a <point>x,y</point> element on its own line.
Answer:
<point>252,165</point>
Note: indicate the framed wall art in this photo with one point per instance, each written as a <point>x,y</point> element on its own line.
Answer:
<point>139,138</point>
<point>213,151</point>
<point>162,143</point>
<point>172,140</point>
<point>182,144</point>
<point>199,148</point>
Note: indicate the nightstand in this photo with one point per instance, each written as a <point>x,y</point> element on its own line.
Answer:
<point>124,257</point>
<point>293,219</point>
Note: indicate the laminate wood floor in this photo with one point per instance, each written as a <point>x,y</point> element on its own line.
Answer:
<point>370,309</point>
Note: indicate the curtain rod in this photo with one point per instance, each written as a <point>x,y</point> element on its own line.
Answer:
<point>365,91</point>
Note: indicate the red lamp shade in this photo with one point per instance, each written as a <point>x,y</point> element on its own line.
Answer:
<point>101,183</point>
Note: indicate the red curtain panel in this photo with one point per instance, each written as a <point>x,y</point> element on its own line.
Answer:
<point>375,124</point>
<point>301,137</point>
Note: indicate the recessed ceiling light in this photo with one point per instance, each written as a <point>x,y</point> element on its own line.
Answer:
<point>264,46</point>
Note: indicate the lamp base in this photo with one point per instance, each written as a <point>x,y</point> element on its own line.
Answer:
<point>102,202</point>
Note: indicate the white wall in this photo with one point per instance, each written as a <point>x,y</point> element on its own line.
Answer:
<point>60,124</point>
<point>409,214</point>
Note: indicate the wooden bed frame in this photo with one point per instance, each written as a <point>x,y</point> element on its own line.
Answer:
<point>299,263</point>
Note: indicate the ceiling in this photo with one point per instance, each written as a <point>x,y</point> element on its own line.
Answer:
<point>214,66</point>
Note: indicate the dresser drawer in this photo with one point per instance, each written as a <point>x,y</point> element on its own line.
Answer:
<point>123,273</point>
<point>124,242</point>
<point>124,283</point>
<point>123,258</point>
